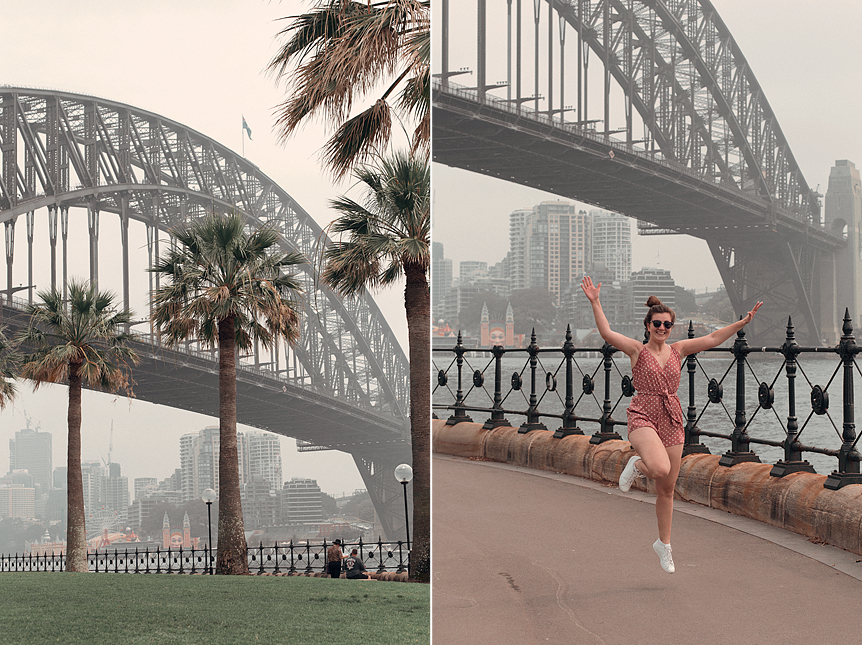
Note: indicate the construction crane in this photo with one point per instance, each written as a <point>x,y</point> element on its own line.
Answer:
<point>110,446</point>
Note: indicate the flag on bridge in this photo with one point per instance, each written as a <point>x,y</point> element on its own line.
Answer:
<point>246,128</point>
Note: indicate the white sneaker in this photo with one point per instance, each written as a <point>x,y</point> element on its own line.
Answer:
<point>629,474</point>
<point>664,555</point>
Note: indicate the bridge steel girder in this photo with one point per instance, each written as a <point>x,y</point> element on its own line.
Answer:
<point>714,162</point>
<point>86,152</point>
<point>497,141</point>
<point>773,272</point>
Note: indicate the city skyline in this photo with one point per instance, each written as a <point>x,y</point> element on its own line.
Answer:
<point>813,95</point>
<point>260,440</point>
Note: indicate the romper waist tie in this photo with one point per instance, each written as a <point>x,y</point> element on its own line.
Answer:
<point>667,399</point>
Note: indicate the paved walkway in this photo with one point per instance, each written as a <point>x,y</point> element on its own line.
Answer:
<point>526,557</point>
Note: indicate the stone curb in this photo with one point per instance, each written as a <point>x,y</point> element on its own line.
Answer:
<point>796,502</point>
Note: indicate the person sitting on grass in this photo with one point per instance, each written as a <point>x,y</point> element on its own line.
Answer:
<point>355,567</point>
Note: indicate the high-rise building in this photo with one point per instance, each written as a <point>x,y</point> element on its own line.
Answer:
<point>469,270</point>
<point>92,474</point>
<point>302,502</point>
<point>441,280</point>
<point>18,501</point>
<point>651,282</point>
<point>199,454</point>
<point>60,477</point>
<point>144,485</point>
<point>31,450</point>
<point>612,243</point>
<point>517,248</point>
<point>115,492</point>
<point>557,247</point>
<point>260,503</point>
<point>264,457</point>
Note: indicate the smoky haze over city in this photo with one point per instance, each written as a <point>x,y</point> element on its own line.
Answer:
<point>812,84</point>
<point>228,45</point>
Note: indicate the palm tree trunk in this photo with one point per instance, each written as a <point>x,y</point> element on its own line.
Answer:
<point>231,557</point>
<point>76,532</point>
<point>417,302</point>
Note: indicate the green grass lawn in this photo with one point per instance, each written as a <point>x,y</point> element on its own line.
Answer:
<point>138,608</point>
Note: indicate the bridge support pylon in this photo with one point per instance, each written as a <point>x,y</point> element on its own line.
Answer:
<point>841,272</point>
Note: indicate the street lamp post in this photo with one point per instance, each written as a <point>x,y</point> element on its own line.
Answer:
<point>404,474</point>
<point>209,496</point>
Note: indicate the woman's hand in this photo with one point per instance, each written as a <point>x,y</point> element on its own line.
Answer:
<point>591,292</point>
<point>750,315</point>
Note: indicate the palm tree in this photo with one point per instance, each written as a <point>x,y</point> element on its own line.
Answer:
<point>9,360</point>
<point>79,342</point>
<point>228,288</point>
<point>342,51</point>
<point>389,236</point>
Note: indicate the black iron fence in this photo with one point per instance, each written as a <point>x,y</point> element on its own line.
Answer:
<point>288,558</point>
<point>471,380</point>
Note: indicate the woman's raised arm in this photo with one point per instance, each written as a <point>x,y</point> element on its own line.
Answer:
<point>627,345</point>
<point>694,345</point>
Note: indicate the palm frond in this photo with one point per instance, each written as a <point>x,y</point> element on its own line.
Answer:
<point>341,51</point>
<point>358,138</point>
<point>227,272</point>
<point>87,331</point>
<point>391,228</point>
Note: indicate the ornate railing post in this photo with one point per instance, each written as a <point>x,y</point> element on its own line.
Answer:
<point>380,567</point>
<point>606,427</point>
<point>532,422</point>
<point>848,457</point>
<point>292,568</point>
<point>792,462</point>
<point>570,420</point>
<point>496,420</point>
<point>460,414</point>
<point>401,568</point>
<point>692,440</point>
<point>739,447</point>
<point>308,568</point>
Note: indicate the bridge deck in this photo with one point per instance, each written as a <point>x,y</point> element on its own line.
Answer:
<point>531,557</point>
<point>493,139</point>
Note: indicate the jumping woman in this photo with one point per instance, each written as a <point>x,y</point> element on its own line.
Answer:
<point>655,420</point>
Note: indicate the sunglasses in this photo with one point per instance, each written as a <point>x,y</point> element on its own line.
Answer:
<point>658,323</point>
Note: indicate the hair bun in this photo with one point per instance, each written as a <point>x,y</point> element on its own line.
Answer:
<point>653,301</point>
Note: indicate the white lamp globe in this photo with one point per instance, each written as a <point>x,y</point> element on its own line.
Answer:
<point>404,473</point>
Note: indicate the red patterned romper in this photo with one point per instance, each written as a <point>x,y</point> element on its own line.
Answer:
<point>656,404</point>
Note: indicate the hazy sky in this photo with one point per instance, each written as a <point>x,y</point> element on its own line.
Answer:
<point>201,63</point>
<point>806,57</point>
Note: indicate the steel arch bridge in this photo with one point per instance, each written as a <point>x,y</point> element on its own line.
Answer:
<point>698,150</point>
<point>344,386</point>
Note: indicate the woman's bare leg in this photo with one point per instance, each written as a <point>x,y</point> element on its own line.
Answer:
<point>664,487</point>
<point>655,462</point>
<point>662,466</point>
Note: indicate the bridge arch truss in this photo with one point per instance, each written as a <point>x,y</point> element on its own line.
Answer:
<point>62,150</point>
<point>673,89</point>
